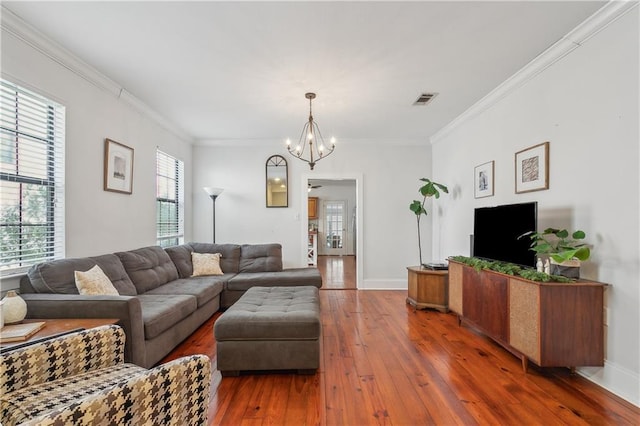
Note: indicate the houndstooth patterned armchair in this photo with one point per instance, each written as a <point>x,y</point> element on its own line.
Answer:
<point>81,379</point>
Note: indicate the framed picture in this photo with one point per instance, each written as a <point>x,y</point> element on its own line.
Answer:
<point>483,181</point>
<point>532,168</point>
<point>118,167</point>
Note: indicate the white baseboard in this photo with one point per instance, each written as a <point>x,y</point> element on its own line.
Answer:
<point>382,284</point>
<point>617,380</point>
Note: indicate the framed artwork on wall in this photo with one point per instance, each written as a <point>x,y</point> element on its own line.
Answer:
<point>483,180</point>
<point>118,167</point>
<point>532,168</point>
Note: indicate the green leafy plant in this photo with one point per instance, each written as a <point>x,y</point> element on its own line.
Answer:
<point>429,189</point>
<point>557,244</point>
<point>509,269</point>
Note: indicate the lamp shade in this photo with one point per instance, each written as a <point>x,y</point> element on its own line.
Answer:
<point>212,191</point>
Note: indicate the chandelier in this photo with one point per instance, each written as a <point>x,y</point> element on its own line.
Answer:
<point>311,135</point>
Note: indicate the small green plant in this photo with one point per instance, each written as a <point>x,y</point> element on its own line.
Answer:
<point>557,244</point>
<point>429,189</point>
<point>509,269</point>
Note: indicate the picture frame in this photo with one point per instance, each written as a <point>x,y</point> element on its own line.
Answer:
<point>118,167</point>
<point>532,168</point>
<point>483,179</point>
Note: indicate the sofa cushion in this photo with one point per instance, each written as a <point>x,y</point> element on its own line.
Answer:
<point>285,278</point>
<point>261,258</point>
<point>230,262</point>
<point>161,312</point>
<point>30,402</point>
<point>268,313</point>
<point>203,288</point>
<point>94,282</point>
<point>181,257</point>
<point>58,276</point>
<point>148,267</point>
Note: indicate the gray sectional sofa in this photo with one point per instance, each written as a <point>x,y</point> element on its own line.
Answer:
<point>160,303</point>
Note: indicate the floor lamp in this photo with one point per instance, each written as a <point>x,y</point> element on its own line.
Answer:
<point>213,193</point>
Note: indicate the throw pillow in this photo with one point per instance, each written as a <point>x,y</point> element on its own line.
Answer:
<point>206,264</point>
<point>94,282</point>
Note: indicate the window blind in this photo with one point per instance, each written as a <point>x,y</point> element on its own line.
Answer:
<point>169,200</point>
<point>32,143</point>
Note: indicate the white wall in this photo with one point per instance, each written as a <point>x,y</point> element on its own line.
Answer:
<point>586,105</point>
<point>389,179</point>
<point>97,221</point>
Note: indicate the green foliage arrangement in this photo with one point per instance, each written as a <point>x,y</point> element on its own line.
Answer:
<point>557,244</point>
<point>509,269</point>
<point>429,189</point>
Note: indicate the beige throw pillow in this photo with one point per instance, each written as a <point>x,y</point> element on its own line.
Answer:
<point>94,282</point>
<point>206,264</point>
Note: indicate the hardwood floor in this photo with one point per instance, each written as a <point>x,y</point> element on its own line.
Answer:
<point>338,272</point>
<point>384,364</point>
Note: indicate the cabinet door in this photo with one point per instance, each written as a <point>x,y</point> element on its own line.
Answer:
<point>313,207</point>
<point>455,288</point>
<point>485,302</point>
<point>524,318</point>
<point>495,306</point>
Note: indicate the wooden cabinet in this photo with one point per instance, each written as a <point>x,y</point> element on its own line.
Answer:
<point>313,207</point>
<point>550,324</point>
<point>427,288</point>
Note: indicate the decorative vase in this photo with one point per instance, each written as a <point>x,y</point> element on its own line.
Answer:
<point>568,268</point>
<point>14,308</point>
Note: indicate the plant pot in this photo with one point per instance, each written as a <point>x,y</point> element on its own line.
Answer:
<point>568,268</point>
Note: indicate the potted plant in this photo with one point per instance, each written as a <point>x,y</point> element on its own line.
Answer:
<point>429,189</point>
<point>565,251</point>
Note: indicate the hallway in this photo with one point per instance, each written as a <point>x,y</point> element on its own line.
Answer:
<point>338,272</point>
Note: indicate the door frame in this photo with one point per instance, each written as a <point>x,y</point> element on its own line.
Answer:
<point>304,217</point>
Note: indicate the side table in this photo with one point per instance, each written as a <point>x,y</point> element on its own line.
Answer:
<point>58,326</point>
<point>428,288</point>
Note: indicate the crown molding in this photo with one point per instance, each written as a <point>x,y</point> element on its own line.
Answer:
<point>603,17</point>
<point>12,24</point>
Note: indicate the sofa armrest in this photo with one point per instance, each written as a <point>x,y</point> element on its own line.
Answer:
<point>60,357</point>
<point>175,393</point>
<point>126,309</point>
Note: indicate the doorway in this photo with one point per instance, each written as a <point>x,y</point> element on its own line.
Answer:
<point>339,243</point>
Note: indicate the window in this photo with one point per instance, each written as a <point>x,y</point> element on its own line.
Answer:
<point>169,200</point>
<point>31,179</point>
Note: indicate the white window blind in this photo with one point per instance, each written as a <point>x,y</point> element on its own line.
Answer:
<point>169,200</point>
<point>31,179</point>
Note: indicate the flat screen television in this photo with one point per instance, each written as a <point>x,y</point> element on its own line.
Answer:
<point>496,231</point>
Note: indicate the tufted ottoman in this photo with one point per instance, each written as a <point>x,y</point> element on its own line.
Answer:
<point>270,328</point>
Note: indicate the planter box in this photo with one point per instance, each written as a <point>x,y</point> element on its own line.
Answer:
<point>428,288</point>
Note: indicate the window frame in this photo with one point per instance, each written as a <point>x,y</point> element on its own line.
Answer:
<point>19,109</point>
<point>176,238</point>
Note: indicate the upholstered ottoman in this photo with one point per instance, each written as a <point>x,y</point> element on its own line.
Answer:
<point>270,328</point>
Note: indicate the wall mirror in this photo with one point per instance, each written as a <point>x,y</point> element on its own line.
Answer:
<point>277,182</point>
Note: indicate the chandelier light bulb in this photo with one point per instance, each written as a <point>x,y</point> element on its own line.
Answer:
<point>333,141</point>
<point>288,142</point>
<point>321,148</point>
<point>298,148</point>
<point>310,136</point>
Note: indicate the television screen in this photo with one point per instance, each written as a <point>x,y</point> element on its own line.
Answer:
<point>496,231</point>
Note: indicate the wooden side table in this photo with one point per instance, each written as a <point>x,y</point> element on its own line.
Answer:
<point>59,326</point>
<point>428,288</point>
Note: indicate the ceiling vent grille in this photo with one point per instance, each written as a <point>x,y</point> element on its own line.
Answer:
<point>425,98</point>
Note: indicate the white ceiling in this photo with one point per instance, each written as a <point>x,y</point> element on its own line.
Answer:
<point>238,71</point>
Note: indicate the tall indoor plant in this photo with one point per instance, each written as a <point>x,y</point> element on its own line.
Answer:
<point>428,189</point>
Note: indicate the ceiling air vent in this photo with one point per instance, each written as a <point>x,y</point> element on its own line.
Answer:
<point>425,98</point>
